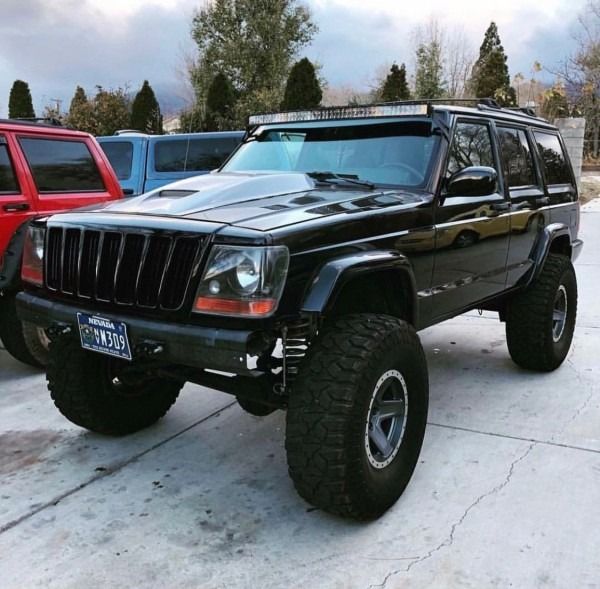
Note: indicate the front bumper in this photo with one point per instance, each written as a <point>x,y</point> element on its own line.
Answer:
<point>227,350</point>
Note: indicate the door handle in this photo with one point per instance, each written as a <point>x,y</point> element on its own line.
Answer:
<point>15,207</point>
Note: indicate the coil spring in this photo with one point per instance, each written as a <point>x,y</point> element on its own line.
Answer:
<point>296,344</point>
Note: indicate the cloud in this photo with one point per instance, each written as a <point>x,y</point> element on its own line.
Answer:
<point>57,45</point>
<point>356,37</point>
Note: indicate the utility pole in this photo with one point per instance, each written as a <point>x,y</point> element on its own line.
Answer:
<point>58,103</point>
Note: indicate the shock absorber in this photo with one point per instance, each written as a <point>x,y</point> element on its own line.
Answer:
<point>295,343</point>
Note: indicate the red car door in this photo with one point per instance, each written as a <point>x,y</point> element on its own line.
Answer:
<point>16,204</point>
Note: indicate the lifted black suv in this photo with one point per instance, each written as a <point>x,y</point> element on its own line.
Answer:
<point>297,275</point>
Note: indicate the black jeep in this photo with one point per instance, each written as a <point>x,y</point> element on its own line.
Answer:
<point>297,275</point>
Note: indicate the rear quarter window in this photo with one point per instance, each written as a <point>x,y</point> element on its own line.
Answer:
<point>553,157</point>
<point>187,155</point>
<point>60,165</point>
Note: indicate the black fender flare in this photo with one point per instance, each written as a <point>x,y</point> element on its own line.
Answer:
<point>10,271</point>
<point>331,277</point>
<point>542,248</point>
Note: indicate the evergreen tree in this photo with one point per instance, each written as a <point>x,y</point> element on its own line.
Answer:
<point>394,86</point>
<point>192,120</point>
<point>145,111</point>
<point>490,77</point>
<point>220,102</point>
<point>80,115</point>
<point>429,76</point>
<point>111,111</point>
<point>20,105</point>
<point>302,89</point>
<point>254,44</point>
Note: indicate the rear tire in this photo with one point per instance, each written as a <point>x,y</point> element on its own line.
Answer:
<point>83,389</point>
<point>540,321</point>
<point>23,341</point>
<point>344,456</point>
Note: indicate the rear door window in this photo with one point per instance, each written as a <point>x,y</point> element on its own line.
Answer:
<point>8,179</point>
<point>189,155</point>
<point>59,165</point>
<point>516,157</point>
<point>553,157</point>
<point>120,156</point>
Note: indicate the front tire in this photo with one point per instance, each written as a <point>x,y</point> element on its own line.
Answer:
<point>540,320</point>
<point>87,391</point>
<point>357,415</point>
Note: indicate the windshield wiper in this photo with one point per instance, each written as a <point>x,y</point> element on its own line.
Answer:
<point>333,178</point>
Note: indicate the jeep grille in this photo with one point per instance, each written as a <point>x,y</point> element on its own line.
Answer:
<point>150,271</point>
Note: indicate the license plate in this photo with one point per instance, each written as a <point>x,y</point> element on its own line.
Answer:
<point>103,335</point>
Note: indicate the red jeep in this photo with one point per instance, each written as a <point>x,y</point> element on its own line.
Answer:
<point>44,169</point>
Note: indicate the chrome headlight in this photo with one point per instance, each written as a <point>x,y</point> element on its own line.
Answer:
<point>242,281</point>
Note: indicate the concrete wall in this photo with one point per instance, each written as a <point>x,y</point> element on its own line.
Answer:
<point>573,130</point>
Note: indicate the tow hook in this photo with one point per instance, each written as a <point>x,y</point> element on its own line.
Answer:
<point>57,330</point>
<point>149,348</point>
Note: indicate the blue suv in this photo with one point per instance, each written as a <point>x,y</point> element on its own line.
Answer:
<point>145,162</point>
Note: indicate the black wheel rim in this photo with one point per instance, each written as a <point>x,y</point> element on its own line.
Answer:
<point>559,313</point>
<point>386,421</point>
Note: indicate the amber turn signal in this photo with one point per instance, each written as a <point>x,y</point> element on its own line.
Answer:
<point>254,308</point>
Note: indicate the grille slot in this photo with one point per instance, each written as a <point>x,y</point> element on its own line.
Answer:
<point>107,267</point>
<point>53,258</point>
<point>87,267</point>
<point>124,268</point>
<point>153,271</point>
<point>129,268</point>
<point>70,260</point>
<point>178,272</point>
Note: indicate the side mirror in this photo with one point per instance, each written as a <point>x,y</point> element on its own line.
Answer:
<point>472,181</point>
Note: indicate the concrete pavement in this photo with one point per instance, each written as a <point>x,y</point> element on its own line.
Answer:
<point>507,492</point>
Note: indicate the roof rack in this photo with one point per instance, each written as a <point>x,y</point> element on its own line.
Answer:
<point>514,110</point>
<point>52,121</point>
<point>43,121</point>
<point>528,110</point>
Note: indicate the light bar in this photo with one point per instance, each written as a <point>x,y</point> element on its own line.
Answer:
<point>339,112</point>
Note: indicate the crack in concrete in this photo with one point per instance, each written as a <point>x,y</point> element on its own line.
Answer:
<point>108,472</point>
<point>513,437</point>
<point>449,540</point>
<point>585,403</point>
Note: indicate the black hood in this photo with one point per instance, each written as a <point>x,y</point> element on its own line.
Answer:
<point>262,201</point>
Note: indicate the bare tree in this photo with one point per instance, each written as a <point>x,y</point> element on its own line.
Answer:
<point>459,60</point>
<point>429,41</point>
<point>456,55</point>
<point>581,74</point>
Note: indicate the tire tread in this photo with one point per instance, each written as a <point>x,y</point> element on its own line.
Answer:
<point>323,401</point>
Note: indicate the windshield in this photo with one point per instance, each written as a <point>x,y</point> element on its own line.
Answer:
<point>391,153</point>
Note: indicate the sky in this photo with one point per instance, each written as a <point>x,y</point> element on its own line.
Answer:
<point>55,46</point>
